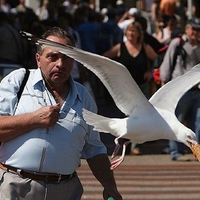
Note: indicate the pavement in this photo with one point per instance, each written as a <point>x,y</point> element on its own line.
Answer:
<point>152,177</point>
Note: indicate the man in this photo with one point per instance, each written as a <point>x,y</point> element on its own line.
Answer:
<point>109,33</point>
<point>188,57</point>
<point>44,136</point>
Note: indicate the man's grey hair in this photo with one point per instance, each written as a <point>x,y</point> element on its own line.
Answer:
<point>58,32</point>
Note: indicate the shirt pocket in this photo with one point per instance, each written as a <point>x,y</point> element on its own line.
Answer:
<point>76,128</point>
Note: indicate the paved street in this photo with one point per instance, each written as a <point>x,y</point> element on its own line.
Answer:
<point>151,176</point>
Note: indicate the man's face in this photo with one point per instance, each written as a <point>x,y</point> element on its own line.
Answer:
<point>55,67</point>
<point>192,33</point>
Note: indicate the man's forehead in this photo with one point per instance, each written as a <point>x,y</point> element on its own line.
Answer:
<point>50,50</point>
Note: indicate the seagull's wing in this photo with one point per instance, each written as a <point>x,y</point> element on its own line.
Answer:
<point>167,97</point>
<point>114,76</point>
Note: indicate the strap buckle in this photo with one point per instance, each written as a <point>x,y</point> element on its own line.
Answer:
<point>18,172</point>
<point>46,178</point>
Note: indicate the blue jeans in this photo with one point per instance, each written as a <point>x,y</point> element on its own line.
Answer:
<point>187,112</point>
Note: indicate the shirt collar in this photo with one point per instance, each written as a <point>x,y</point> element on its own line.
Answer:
<point>75,92</point>
<point>37,77</point>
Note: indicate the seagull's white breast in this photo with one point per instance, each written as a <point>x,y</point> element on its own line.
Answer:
<point>148,126</point>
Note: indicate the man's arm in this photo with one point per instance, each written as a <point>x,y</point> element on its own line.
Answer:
<point>13,126</point>
<point>165,68</point>
<point>100,166</point>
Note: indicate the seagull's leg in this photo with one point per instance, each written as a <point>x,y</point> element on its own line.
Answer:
<point>117,147</point>
<point>117,162</point>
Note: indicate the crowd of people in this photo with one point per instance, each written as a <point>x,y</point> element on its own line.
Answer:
<point>117,32</point>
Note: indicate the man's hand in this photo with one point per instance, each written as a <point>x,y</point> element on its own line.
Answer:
<point>48,115</point>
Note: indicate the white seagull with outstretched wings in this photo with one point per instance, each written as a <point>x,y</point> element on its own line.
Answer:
<point>146,120</point>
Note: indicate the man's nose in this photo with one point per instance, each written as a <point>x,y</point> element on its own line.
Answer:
<point>59,62</point>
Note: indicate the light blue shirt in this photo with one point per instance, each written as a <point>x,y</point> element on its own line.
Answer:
<point>58,149</point>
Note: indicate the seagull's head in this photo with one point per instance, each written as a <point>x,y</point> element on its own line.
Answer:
<point>190,137</point>
<point>191,141</point>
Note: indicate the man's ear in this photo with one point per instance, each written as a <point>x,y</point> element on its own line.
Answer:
<point>37,58</point>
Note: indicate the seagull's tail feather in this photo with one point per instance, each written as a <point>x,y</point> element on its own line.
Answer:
<point>99,122</point>
<point>104,124</point>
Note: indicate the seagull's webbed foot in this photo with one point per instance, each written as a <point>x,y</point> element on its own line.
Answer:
<point>117,147</point>
<point>117,162</point>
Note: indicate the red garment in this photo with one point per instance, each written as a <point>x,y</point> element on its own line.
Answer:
<point>168,7</point>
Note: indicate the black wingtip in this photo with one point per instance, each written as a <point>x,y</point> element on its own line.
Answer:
<point>29,36</point>
<point>39,41</point>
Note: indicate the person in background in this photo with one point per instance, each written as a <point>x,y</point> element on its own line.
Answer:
<point>44,136</point>
<point>148,38</point>
<point>164,34</point>
<point>167,7</point>
<point>187,58</point>
<point>21,7</point>
<point>127,18</point>
<point>5,7</point>
<point>152,42</point>
<point>104,12</point>
<point>109,33</point>
<point>23,16</point>
<point>120,6</point>
<point>88,31</point>
<point>11,46</point>
<point>42,12</point>
<point>155,16</point>
<point>135,55</point>
<point>89,27</point>
<point>70,6</point>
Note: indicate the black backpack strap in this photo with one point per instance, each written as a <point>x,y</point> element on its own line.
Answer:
<point>23,84</point>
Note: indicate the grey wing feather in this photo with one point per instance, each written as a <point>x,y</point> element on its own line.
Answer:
<point>167,97</point>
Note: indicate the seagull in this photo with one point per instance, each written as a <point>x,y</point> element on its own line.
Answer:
<point>146,120</point>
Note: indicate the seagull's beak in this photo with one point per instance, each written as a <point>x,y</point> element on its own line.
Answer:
<point>195,147</point>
